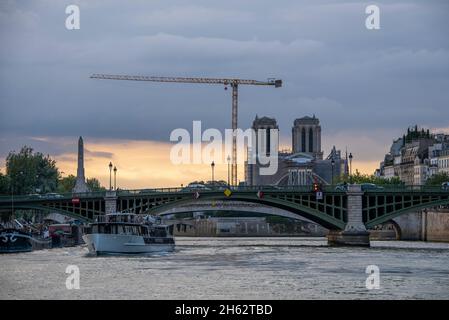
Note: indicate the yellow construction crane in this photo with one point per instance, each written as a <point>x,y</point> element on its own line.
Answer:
<point>234,83</point>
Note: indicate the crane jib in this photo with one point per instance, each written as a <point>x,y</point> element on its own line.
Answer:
<point>276,82</point>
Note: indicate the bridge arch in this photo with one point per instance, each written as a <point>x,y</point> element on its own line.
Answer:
<point>49,209</point>
<point>390,216</point>
<point>232,206</point>
<point>296,210</point>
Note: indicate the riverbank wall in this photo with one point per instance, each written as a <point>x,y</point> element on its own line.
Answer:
<point>425,225</point>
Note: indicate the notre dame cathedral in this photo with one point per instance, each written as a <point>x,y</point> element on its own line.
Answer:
<point>304,163</point>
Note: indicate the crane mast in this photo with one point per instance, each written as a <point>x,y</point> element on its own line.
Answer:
<point>234,83</point>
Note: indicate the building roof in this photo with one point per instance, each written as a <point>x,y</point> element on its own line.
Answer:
<point>264,121</point>
<point>307,120</point>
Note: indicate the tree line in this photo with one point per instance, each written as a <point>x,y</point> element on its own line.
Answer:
<point>359,178</point>
<point>30,172</point>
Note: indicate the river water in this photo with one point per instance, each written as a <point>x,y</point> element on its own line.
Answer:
<point>234,268</point>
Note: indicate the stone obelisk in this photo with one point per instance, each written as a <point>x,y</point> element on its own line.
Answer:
<point>80,184</point>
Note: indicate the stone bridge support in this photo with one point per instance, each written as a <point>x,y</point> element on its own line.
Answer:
<point>355,233</point>
<point>110,202</point>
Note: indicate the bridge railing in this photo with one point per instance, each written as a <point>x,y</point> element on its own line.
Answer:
<point>221,188</point>
<point>407,188</point>
<point>53,196</point>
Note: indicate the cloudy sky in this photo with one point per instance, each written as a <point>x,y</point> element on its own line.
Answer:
<point>366,86</point>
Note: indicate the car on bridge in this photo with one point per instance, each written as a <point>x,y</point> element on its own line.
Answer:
<point>270,187</point>
<point>35,195</point>
<point>364,186</point>
<point>371,186</point>
<point>52,195</point>
<point>342,186</point>
<point>196,187</point>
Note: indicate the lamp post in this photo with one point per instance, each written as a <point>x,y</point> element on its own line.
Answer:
<point>110,175</point>
<point>115,178</point>
<point>212,165</point>
<point>350,167</point>
<point>333,165</point>
<point>229,163</point>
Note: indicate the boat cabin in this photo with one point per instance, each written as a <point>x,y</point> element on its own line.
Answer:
<point>129,224</point>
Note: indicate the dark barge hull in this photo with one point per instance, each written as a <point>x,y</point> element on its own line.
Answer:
<point>13,241</point>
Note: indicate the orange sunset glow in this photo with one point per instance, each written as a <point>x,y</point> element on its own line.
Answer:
<point>144,164</point>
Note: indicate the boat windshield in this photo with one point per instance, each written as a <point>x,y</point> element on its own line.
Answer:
<point>120,218</point>
<point>119,229</point>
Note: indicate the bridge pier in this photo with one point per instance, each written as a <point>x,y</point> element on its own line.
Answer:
<point>355,233</point>
<point>110,202</point>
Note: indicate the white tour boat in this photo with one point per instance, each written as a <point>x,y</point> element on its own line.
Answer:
<point>121,233</point>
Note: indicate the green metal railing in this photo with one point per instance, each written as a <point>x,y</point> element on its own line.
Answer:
<point>56,196</point>
<point>232,188</point>
<point>408,188</point>
<point>211,189</point>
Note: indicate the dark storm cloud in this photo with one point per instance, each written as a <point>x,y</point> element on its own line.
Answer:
<point>353,79</point>
<point>13,143</point>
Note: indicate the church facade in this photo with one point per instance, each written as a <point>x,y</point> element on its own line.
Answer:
<point>302,165</point>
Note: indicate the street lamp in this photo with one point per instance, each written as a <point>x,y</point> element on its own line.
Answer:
<point>229,163</point>
<point>212,165</point>
<point>350,166</point>
<point>333,165</point>
<point>115,178</point>
<point>110,175</point>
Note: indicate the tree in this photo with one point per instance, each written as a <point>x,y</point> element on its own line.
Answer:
<point>31,172</point>
<point>359,178</point>
<point>4,184</point>
<point>438,179</point>
<point>94,185</point>
<point>66,184</point>
<point>216,183</point>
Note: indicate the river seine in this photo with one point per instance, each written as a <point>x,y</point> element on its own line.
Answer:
<point>234,268</point>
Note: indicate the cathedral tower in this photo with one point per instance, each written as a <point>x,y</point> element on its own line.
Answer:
<point>306,136</point>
